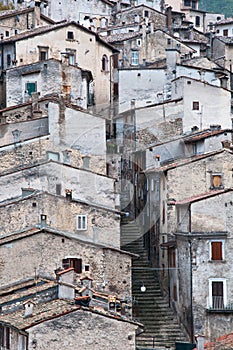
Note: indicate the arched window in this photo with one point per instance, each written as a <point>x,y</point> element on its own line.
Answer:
<point>105,63</point>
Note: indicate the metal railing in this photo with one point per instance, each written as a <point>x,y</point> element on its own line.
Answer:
<point>218,303</point>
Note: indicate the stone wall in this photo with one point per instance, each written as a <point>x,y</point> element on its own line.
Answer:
<point>103,227</point>
<point>109,268</point>
<point>84,330</point>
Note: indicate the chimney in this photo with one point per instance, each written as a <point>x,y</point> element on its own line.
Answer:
<point>68,194</point>
<point>28,308</point>
<point>200,339</point>
<point>37,14</point>
<point>157,160</point>
<point>66,287</point>
<point>169,19</point>
<point>226,144</point>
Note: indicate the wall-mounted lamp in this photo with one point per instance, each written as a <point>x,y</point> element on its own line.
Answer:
<point>143,288</point>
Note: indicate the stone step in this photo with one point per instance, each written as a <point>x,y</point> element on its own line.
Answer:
<point>161,328</point>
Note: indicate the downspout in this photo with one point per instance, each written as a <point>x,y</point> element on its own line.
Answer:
<point>191,276</point>
<point>191,290</point>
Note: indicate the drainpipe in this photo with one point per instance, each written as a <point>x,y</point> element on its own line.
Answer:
<point>191,290</point>
<point>191,276</point>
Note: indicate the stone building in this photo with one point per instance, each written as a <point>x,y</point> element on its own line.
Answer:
<point>48,77</point>
<point>141,14</point>
<point>18,21</point>
<point>47,249</point>
<point>88,222</point>
<point>91,14</point>
<point>203,246</point>
<point>83,47</point>
<point>38,313</point>
<point>41,129</point>
<point>172,198</point>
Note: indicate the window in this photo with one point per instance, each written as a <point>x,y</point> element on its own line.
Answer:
<point>172,257</point>
<point>217,250</point>
<point>146,13</point>
<point>197,21</point>
<point>105,63</point>
<point>81,223</point>
<point>72,262</point>
<point>217,293</point>
<point>134,58</point>
<point>8,60</point>
<point>225,32</point>
<point>43,53</point>
<point>195,106</point>
<point>53,156</point>
<point>70,35</point>
<point>7,33</point>
<point>5,337</point>
<point>187,2</point>
<point>31,87</point>
<point>216,181</point>
<point>163,213</point>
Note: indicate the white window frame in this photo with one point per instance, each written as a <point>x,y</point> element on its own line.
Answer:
<point>134,58</point>
<point>81,222</point>
<point>223,249</point>
<point>211,280</point>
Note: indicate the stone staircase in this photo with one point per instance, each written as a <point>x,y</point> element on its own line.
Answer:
<point>161,328</point>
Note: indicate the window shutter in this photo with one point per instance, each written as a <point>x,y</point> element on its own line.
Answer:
<point>216,250</point>
<point>77,264</point>
<point>217,181</point>
<point>66,263</point>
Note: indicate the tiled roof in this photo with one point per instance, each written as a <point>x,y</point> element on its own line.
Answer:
<point>49,28</point>
<point>23,289</point>
<point>204,135</point>
<point>41,313</point>
<point>187,160</point>
<point>225,342</point>
<point>114,38</point>
<point>201,196</point>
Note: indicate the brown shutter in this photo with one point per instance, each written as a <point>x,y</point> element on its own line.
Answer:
<point>77,265</point>
<point>217,181</point>
<point>216,248</point>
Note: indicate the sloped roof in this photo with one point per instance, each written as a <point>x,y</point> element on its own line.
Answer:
<point>201,197</point>
<point>46,29</point>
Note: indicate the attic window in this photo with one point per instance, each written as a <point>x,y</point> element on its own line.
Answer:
<point>70,35</point>
<point>189,82</point>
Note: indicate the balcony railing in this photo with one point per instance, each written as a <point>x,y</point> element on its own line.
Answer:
<point>218,304</point>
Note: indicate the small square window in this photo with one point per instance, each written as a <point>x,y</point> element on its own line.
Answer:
<point>216,181</point>
<point>70,35</point>
<point>81,222</point>
<point>195,106</point>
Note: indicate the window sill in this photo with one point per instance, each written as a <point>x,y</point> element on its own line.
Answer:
<point>105,71</point>
<point>217,261</point>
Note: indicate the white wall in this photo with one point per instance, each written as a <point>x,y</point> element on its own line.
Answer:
<point>141,85</point>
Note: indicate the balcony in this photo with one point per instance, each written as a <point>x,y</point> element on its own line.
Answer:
<point>218,304</point>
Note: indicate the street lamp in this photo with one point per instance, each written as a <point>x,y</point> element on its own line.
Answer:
<point>143,288</point>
